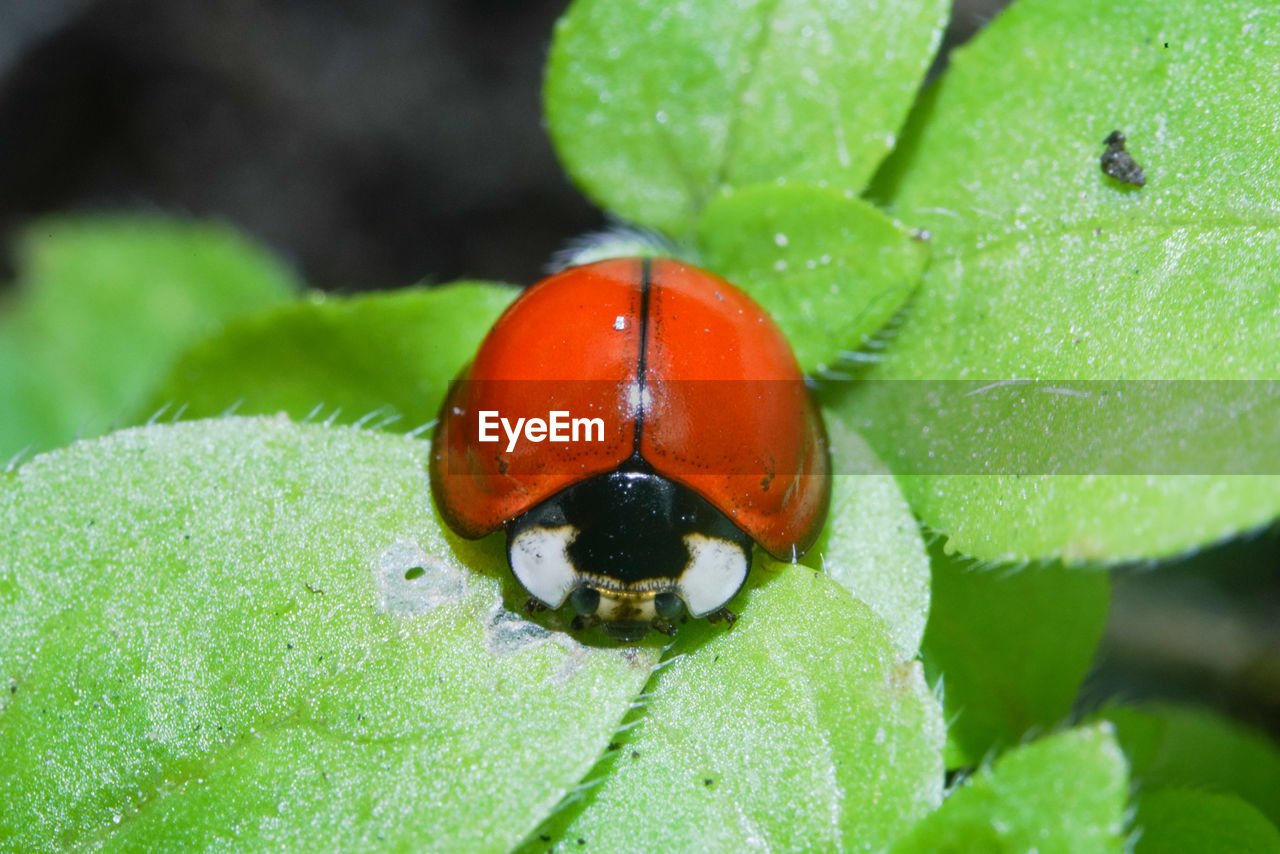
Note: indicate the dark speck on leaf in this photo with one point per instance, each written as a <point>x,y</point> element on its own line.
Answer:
<point>581,841</point>
<point>545,837</point>
<point>635,754</point>
<point>1119,164</point>
<point>707,782</point>
<point>614,745</point>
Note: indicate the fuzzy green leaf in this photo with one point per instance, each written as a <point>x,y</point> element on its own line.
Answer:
<point>103,306</point>
<point>1064,793</point>
<point>1185,746</point>
<point>1175,80</point>
<point>801,728</point>
<point>248,633</point>
<point>1046,268</point>
<point>395,352</point>
<point>654,106</point>
<point>830,269</point>
<point>871,544</point>
<point>1011,649</point>
<point>1184,821</point>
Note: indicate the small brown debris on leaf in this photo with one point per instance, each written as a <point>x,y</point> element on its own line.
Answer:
<point>1119,164</point>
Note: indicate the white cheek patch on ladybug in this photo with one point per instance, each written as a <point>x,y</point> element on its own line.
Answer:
<point>716,571</point>
<point>540,560</point>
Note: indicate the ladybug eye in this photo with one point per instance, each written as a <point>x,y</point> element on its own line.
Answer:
<point>584,601</point>
<point>668,605</point>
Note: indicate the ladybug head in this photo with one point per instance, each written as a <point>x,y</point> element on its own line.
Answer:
<point>630,551</point>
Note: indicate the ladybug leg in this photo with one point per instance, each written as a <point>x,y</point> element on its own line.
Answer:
<point>533,605</point>
<point>665,626</point>
<point>722,614</point>
<point>581,622</point>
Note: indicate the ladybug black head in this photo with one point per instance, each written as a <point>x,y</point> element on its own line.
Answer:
<point>630,550</point>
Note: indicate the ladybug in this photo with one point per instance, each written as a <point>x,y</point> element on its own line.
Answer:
<point>699,439</point>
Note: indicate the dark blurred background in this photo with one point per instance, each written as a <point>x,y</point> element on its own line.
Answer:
<point>378,143</point>
<point>375,143</point>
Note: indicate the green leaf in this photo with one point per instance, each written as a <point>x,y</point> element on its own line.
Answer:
<point>1063,793</point>
<point>654,106</point>
<point>1046,268</point>
<point>394,351</point>
<point>830,269</point>
<point>103,305</point>
<point>1193,93</point>
<point>1192,822</point>
<point>871,544</point>
<point>249,633</point>
<point>1011,648</point>
<point>1185,746</point>
<point>801,728</point>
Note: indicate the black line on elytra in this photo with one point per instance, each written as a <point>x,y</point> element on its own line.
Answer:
<point>646,289</point>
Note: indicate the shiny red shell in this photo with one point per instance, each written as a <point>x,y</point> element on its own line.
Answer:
<point>683,368</point>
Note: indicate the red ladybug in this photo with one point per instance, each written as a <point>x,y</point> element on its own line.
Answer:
<point>634,424</point>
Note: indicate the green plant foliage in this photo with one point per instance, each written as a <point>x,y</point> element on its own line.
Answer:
<point>801,728</point>
<point>1011,649</point>
<point>987,169</point>
<point>248,633</point>
<point>258,631</point>
<point>103,305</point>
<point>1185,821</point>
<point>871,544</point>
<point>1064,793</point>
<point>394,351</point>
<point>1046,268</point>
<point>1170,745</point>
<point>830,269</point>
<point>654,106</point>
